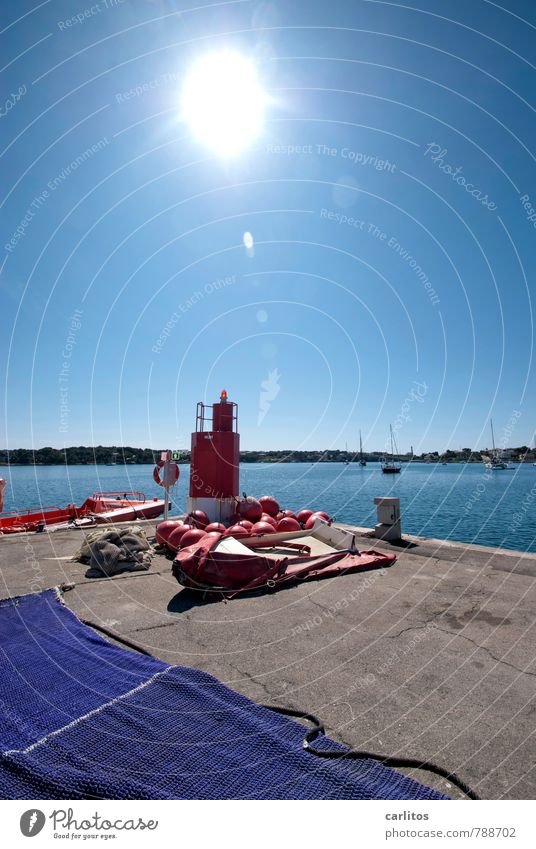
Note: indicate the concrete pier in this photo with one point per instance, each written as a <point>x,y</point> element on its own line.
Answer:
<point>433,658</point>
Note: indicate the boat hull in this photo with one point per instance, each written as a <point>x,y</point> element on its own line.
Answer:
<point>101,508</point>
<point>146,510</point>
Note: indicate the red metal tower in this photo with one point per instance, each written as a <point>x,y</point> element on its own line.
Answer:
<point>214,465</point>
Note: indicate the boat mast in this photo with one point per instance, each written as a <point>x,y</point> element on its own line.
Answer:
<point>360,447</point>
<point>392,451</point>
<point>492,436</point>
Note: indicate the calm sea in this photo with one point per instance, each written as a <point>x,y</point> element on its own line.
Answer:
<point>458,502</point>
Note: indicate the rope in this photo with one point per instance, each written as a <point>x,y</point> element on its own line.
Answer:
<point>354,754</point>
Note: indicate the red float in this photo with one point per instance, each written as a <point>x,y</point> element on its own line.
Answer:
<point>192,536</point>
<point>198,518</point>
<point>314,517</point>
<point>323,515</point>
<point>288,524</point>
<point>218,527</point>
<point>267,518</point>
<point>290,514</point>
<point>237,531</point>
<point>250,508</point>
<point>173,540</point>
<point>269,505</point>
<point>303,516</point>
<point>245,524</point>
<point>164,529</point>
<point>261,528</point>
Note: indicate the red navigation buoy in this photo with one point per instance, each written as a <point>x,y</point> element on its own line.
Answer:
<point>260,528</point>
<point>288,524</point>
<point>250,508</point>
<point>173,540</point>
<point>269,505</point>
<point>191,537</point>
<point>303,516</point>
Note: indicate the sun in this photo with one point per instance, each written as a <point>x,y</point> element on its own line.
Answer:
<point>223,102</point>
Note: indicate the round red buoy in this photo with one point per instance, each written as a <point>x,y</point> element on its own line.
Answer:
<point>290,514</point>
<point>303,516</point>
<point>250,508</point>
<point>312,519</point>
<point>237,531</point>
<point>269,505</point>
<point>280,516</point>
<point>267,518</point>
<point>191,537</point>
<point>199,519</point>
<point>164,529</point>
<point>260,528</point>
<point>245,524</point>
<point>288,524</point>
<point>173,540</point>
<point>215,526</point>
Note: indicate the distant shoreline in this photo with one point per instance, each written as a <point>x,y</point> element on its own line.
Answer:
<point>101,455</point>
<point>402,460</point>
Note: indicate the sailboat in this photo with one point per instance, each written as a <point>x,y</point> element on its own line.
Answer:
<point>495,461</point>
<point>389,466</point>
<point>347,461</point>
<point>362,462</point>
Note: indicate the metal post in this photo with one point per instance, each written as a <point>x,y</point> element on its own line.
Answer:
<point>166,457</point>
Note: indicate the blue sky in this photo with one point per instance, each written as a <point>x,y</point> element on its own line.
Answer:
<point>380,289</point>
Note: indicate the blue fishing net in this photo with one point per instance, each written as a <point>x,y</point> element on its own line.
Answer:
<point>83,718</point>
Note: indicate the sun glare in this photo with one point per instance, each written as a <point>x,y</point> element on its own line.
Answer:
<point>223,102</point>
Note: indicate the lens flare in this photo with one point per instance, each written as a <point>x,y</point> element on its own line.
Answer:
<point>223,102</point>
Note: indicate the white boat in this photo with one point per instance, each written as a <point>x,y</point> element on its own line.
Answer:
<point>389,466</point>
<point>495,463</point>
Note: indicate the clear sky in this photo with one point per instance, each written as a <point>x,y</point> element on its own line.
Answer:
<point>389,196</point>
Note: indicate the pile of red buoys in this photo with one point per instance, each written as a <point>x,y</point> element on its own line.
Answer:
<point>253,518</point>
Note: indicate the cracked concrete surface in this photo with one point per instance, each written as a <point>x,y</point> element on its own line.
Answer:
<point>433,658</point>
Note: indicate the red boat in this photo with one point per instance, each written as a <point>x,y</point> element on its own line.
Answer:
<point>101,508</point>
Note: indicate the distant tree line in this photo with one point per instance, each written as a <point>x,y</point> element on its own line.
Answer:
<point>79,456</point>
<point>83,455</point>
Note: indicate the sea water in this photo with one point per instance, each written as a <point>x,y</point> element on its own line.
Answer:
<point>464,502</point>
